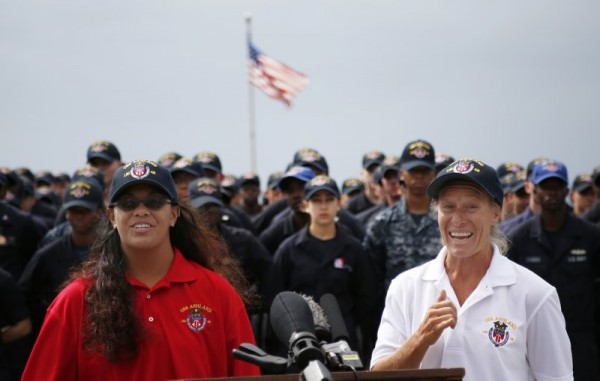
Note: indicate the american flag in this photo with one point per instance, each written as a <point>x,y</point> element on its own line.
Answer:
<point>274,78</point>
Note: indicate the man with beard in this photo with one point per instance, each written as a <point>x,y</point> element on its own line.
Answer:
<point>565,251</point>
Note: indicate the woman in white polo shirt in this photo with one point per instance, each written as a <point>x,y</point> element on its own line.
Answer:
<point>471,307</point>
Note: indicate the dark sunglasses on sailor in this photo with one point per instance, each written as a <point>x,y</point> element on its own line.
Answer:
<point>127,204</point>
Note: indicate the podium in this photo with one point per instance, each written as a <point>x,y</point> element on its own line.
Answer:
<point>441,374</point>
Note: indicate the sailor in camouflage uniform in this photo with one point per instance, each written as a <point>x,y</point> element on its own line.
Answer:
<point>406,234</point>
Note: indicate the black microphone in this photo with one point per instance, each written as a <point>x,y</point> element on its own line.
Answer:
<point>339,354</point>
<point>293,325</point>
<point>336,320</point>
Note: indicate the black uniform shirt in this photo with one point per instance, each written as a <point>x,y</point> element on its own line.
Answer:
<point>571,264</point>
<point>283,226</point>
<point>250,254</point>
<point>13,309</point>
<point>358,204</point>
<point>593,214</point>
<point>19,236</point>
<point>45,273</point>
<point>339,266</point>
<point>568,259</point>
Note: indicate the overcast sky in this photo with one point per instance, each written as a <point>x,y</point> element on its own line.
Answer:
<point>493,80</point>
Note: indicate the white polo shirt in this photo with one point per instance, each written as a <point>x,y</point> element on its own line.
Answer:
<point>510,328</point>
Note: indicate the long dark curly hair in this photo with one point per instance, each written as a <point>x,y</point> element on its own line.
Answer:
<point>111,326</point>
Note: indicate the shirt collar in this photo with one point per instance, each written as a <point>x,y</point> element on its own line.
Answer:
<point>500,272</point>
<point>181,271</point>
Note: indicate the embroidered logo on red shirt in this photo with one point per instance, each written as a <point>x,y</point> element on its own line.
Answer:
<point>197,316</point>
<point>196,320</point>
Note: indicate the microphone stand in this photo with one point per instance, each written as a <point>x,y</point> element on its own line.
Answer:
<point>315,371</point>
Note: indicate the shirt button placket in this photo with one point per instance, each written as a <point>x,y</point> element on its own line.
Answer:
<point>151,318</point>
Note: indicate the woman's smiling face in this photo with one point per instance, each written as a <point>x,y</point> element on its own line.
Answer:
<point>466,216</point>
<point>147,225</point>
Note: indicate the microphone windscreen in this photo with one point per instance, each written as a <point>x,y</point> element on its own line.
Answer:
<point>322,327</point>
<point>336,320</point>
<point>290,314</point>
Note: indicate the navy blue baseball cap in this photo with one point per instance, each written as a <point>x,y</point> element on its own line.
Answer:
<point>318,183</point>
<point>210,161</point>
<point>273,180</point>
<point>391,163</point>
<point>513,181</point>
<point>3,179</point>
<point>508,167</point>
<point>297,172</point>
<point>519,180</point>
<point>443,160</point>
<point>63,178</point>
<point>86,193</point>
<point>142,172</point>
<point>532,165</point>
<point>204,191</point>
<point>473,171</point>
<point>44,177</point>
<point>249,178</point>
<point>25,172</point>
<point>89,172</point>
<point>418,153</point>
<point>168,159</point>
<point>230,186</point>
<point>104,150</point>
<point>582,182</point>
<point>186,165</point>
<point>352,184</point>
<point>372,158</point>
<point>548,170</point>
<point>311,158</point>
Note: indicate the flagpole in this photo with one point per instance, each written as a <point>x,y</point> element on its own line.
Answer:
<point>251,117</point>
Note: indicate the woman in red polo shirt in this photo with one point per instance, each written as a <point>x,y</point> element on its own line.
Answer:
<point>157,299</point>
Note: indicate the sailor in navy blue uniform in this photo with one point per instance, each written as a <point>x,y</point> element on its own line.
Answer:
<point>324,257</point>
<point>565,251</point>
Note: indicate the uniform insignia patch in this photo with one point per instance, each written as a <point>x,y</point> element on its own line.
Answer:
<point>319,180</point>
<point>140,171</point>
<point>196,320</point>
<point>80,189</point>
<point>551,167</point>
<point>338,263</point>
<point>420,152</point>
<point>498,334</point>
<point>205,157</point>
<point>182,163</point>
<point>99,146</point>
<point>463,167</point>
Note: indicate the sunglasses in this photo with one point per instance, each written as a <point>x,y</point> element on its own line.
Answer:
<point>153,203</point>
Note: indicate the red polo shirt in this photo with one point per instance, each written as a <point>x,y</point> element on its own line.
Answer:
<point>193,319</point>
